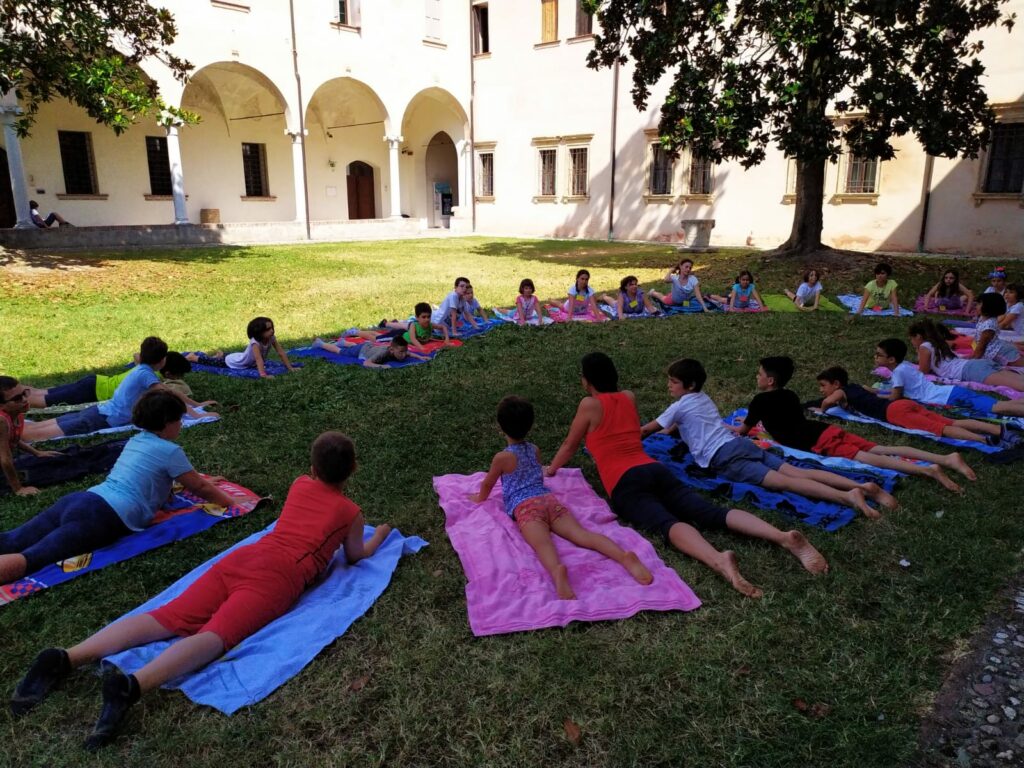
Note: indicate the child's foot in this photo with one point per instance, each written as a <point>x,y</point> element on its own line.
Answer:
<point>637,569</point>
<point>877,493</point>
<point>318,343</point>
<point>120,691</point>
<point>48,669</point>
<point>811,559</point>
<point>856,499</point>
<point>956,462</point>
<point>730,569</point>
<point>562,586</point>
<point>936,473</point>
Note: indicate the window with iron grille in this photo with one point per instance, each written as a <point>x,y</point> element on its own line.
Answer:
<point>254,168</point>
<point>701,181</point>
<point>861,175</point>
<point>159,165</point>
<point>661,171</point>
<point>481,29</point>
<point>1005,171</point>
<point>547,159</point>
<point>578,171</point>
<point>584,20</point>
<point>486,174</point>
<point>77,160</point>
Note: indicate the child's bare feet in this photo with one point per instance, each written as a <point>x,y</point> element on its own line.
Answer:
<point>730,569</point>
<point>811,559</point>
<point>855,498</point>
<point>562,586</point>
<point>956,462</point>
<point>936,473</point>
<point>877,493</point>
<point>637,569</point>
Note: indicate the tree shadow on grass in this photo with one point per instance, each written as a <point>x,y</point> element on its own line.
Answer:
<point>597,254</point>
<point>59,260</point>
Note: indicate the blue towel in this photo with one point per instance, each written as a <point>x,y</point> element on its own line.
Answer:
<point>509,316</point>
<point>852,301</point>
<point>273,367</point>
<point>952,323</point>
<point>350,356</point>
<point>841,413</point>
<point>689,308</point>
<point>466,330</point>
<point>186,421</point>
<point>263,662</point>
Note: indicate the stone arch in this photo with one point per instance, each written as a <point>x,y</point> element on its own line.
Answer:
<point>432,118</point>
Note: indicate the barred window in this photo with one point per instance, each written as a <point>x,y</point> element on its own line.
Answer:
<point>77,160</point>
<point>861,175</point>
<point>254,168</point>
<point>701,181</point>
<point>1005,172</point>
<point>486,174</point>
<point>546,169</point>
<point>578,171</point>
<point>661,171</point>
<point>159,165</point>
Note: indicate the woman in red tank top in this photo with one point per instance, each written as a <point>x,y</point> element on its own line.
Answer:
<point>647,494</point>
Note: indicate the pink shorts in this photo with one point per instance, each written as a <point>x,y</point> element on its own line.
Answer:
<point>544,509</point>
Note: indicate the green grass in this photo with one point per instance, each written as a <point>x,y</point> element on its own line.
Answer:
<point>714,687</point>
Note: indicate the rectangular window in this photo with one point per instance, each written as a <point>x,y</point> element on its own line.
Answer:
<point>343,16</point>
<point>481,29</point>
<point>661,171</point>
<point>433,15</point>
<point>548,21</point>
<point>701,179</point>
<point>791,172</point>
<point>254,167</point>
<point>861,175</point>
<point>578,171</point>
<point>77,159</point>
<point>547,158</point>
<point>159,165</point>
<point>584,20</point>
<point>486,174</point>
<point>1005,172</point>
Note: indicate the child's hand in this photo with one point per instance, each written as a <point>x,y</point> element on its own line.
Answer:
<point>207,403</point>
<point>475,498</point>
<point>549,471</point>
<point>49,454</point>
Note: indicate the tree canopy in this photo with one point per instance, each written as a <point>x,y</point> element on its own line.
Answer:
<point>88,52</point>
<point>813,77</point>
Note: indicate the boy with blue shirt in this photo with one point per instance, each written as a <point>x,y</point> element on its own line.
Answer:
<point>126,501</point>
<point>453,307</point>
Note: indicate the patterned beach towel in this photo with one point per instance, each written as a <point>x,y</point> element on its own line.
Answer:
<point>852,301</point>
<point>186,421</point>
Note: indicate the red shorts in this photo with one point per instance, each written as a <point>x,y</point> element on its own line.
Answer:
<point>545,509</point>
<point>237,597</point>
<point>836,442</point>
<point>910,415</point>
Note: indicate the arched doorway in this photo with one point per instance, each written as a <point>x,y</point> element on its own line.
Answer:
<point>8,215</point>
<point>359,180</point>
<point>436,130</point>
<point>442,167</point>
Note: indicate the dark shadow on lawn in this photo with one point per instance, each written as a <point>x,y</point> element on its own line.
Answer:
<point>67,260</point>
<point>597,254</point>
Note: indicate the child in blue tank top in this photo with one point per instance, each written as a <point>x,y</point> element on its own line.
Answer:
<point>537,512</point>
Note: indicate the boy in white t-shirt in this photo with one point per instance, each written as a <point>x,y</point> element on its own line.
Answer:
<point>714,446</point>
<point>454,307</point>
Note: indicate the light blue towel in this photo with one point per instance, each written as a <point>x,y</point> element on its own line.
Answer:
<point>263,662</point>
<point>852,301</point>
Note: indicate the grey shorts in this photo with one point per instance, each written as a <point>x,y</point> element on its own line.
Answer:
<point>741,461</point>
<point>978,370</point>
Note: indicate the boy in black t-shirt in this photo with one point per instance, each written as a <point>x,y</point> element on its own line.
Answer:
<point>780,412</point>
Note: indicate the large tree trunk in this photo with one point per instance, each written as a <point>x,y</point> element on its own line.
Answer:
<point>805,237</point>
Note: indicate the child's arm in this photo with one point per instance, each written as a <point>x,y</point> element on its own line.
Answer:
<point>650,428</point>
<point>863,303</point>
<point>502,463</point>
<point>924,360</point>
<point>814,306</point>
<point>934,293</point>
<point>895,303</point>
<point>620,307</point>
<point>969,294</point>
<point>258,357</point>
<point>355,548</point>
<point>520,313</point>
<point>200,486</point>
<point>594,310</point>
<point>700,298</point>
<point>982,344</point>
<point>585,415</point>
<point>189,404</point>
<point>29,448</point>
<point>7,465</point>
<point>1006,321</point>
<point>453,316</point>
<point>836,398</point>
<point>469,317</point>
<point>896,393</point>
<point>732,299</point>
<point>282,355</point>
<point>757,298</point>
<point>444,332</point>
<point>417,356</point>
<point>483,314</point>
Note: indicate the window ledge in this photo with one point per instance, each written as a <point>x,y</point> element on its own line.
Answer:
<point>548,44</point>
<point>789,199</point>
<point>545,198</point>
<point>435,44</point>
<point>64,196</point>
<point>575,198</point>
<point>160,197</point>
<point>346,27</point>
<point>483,55</point>
<point>580,39</point>
<point>485,198</point>
<point>704,199</point>
<point>659,199</point>
<point>981,197</point>
<point>861,198</point>
<point>258,198</point>
<point>227,6</point>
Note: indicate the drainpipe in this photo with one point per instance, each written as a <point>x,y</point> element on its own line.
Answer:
<point>472,127</point>
<point>302,116</point>
<point>615,122</point>
<point>929,163</point>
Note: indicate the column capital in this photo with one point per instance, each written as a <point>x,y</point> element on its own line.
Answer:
<point>296,136</point>
<point>393,141</point>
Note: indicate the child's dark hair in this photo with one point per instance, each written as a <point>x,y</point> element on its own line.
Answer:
<point>7,382</point>
<point>599,370</point>
<point>152,350</point>
<point>894,348</point>
<point>33,204</point>
<point>992,304</point>
<point>256,327</point>
<point>624,282</point>
<point>835,375</point>
<point>461,280</point>
<point>421,309</point>
<point>177,365</point>
<point>948,291</point>
<point>399,341</point>
<point>527,283</point>
<point>689,372</point>
<point>155,410</point>
<point>807,274</point>
<point>676,268</point>
<point>515,416</point>
<point>1015,287</point>
<point>580,274</point>
<point>746,272</point>
<point>779,368</point>
<point>883,268</point>
<point>933,334</point>
<point>333,457</point>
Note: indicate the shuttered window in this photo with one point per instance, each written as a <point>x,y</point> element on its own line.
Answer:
<point>548,21</point>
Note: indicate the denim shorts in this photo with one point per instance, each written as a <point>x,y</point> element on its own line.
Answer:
<point>741,461</point>
<point>82,422</point>
<point>978,370</point>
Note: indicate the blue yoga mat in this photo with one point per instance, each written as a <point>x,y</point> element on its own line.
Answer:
<point>852,301</point>
<point>263,662</point>
<point>350,356</point>
<point>273,367</point>
<point>841,413</point>
<point>186,421</point>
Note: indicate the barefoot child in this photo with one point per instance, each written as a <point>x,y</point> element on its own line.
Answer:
<point>473,308</point>
<point>373,355</point>
<point>453,308</point>
<point>880,292</point>
<point>536,511</point>
<point>715,447</point>
<point>647,494</point>
<point>808,293</point>
<point>987,344</point>
<point>685,287</point>
<point>260,331</point>
<point>782,415</point>
<point>949,295</point>
<point>935,356</point>
<point>743,296</point>
<point>581,301</point>
<point>631,300</point>
<point>236,597</point>
<point>528,305</point>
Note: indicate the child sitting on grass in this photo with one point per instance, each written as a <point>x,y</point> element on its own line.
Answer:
<point>581,301</point>
<point>528,305</point>
<point>880,292</point>
<point>987,344</point>
<point>779,410</point>
<point>935,356</point>
<point>453,308</point>
<point>236,597</point>
<point>949,295</point>
<point>373,355</point>
<point>997,281</point>
<point>535,509</point>
<point>715,447</point>
<point>685,287</point>
<point>808,293</point>
<point>1013,321</point>
<point>473,308</point>
<point>260,331</point>
<point>631,300</point>
<point>137,486</point>
<point>837,390</point>
<point>743,296</point>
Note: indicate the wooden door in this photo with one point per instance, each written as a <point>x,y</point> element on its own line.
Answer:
<point>359,184</point>
<point>8,215</point>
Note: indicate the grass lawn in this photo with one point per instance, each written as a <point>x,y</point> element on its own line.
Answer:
<point>715,687</point>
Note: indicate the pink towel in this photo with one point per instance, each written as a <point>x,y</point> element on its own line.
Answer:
<point>508,589</point>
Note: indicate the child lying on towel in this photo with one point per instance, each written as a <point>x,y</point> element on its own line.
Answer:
<point>126,501</point>
<point>934,355</point>
<point>373,355</point>
<point>236,597</point>
<point>535,509</point>
<point>262,339</point>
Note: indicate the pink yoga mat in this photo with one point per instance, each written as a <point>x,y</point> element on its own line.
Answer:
<point>508,589</point>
